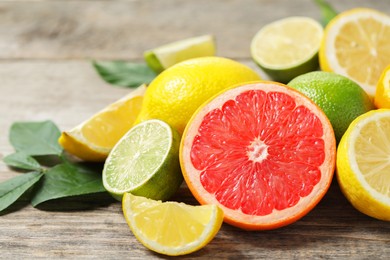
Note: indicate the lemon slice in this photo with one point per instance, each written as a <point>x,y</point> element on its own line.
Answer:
<point>382,94</point>
<point>171,228</point>
<point>93,139</point>
<point>167,55</point>
<point>288,47</point>
<point>145,162</point>
<point>363,164</point>
<point>356,45</point>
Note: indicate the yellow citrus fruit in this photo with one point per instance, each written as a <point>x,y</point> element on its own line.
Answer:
<point>93,139</point>
<point>382,94</point>
<point>288,47</point>
<point>356,45</point>
<point>363,164</point>
<point>171,228</point>
<point>175,94</point>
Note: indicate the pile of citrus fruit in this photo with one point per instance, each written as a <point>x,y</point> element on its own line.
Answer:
<point>256,154</point>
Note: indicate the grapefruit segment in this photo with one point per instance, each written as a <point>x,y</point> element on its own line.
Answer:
<point>261,151</point>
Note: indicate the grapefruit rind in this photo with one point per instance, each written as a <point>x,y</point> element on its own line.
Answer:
<point>277,218</point>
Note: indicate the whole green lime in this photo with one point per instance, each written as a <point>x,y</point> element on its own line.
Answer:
<point>340,98</point>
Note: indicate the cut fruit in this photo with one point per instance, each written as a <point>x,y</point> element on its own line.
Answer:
<point>263,152</point>
<point>93,139</point>
<point>171,228</point>
<point>356,45</point>
<point>287,48</point>
<point>145,162</point>
<point>363,164</point>
<point>167,55</point>
<point>382,94</point>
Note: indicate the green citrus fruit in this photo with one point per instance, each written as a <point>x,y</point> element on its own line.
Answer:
<point>340,98</point>
<point>145,162</point>
<point>288,47</point>
<point>167,55</point>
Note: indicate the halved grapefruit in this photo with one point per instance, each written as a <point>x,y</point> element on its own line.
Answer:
<point>261,151</point>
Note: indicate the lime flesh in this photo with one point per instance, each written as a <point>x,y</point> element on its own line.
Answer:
<point>167,55</point>
<point>145,162</point>
<point>288,47</point>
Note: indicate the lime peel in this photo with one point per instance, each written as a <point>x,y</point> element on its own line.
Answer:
<point>144,162</point>
<point>288,47</point>
<point>167,55</point>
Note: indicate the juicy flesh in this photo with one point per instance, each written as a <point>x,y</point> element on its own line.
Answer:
<point>109,126</point>
<point>259,152</point>
<point>363,49</point>
<point>171,224</point>
<point>138,156</point>
<point>372,148</point>
<point>288,44</point>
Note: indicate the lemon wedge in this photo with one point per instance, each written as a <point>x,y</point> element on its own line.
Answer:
<point>93,139</point>
<point>171,228</point>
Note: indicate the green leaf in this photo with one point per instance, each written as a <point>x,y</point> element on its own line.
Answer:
<point>327,11</point>
<point>22,160</point>
<point>124,74</point>
<point>35,138</point>
<point>12,189</point>
<point>66,180</point>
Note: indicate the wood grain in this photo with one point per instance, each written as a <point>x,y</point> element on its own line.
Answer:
<point>45,73</point>
<point>124,29</point>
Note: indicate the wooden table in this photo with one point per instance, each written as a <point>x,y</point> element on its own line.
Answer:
<point>45,73</point>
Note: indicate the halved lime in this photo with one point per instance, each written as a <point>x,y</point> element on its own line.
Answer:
<point>167,55</point>
<point>288,47</point>
<point>145,162</point>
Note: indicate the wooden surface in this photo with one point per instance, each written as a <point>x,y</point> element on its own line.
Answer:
<point>45,73</point>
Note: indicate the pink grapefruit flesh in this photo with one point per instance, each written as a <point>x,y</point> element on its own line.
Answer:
<point>261,151</point>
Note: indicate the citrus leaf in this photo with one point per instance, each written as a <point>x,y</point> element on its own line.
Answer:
<point>35,138</point>
<point>65,180</point>
<point>124,74</point>
<point>21,160</point>
<point>12,189</point>
<point>327,11</point>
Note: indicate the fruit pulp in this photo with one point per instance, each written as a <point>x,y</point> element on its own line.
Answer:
<point>265,151</point>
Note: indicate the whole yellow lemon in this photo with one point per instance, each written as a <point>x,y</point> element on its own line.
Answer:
<point>175,94</point>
